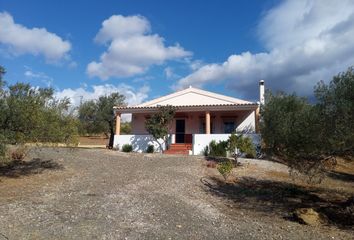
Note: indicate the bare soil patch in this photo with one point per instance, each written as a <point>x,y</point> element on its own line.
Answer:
<point>102,194</point>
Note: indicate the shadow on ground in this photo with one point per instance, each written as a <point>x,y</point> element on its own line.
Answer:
<point>345,177</point>
<point>282,198</point>
<point>34,166</point>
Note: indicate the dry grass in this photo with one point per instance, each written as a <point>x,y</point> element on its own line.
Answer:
<point>93,140</point>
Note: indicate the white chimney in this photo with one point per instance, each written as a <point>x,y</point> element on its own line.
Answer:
<point>261,92</point>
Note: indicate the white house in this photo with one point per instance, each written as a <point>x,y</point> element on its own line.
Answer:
<point>201,116</point>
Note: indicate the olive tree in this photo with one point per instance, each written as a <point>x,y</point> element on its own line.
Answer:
<point>97,116</point>
<point>158,124</point>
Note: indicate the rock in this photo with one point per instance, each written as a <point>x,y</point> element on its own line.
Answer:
<point>308,216</point>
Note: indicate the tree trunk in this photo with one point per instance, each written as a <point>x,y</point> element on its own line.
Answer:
<point>111,138</point>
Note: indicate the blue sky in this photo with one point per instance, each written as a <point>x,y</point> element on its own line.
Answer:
<point>146,49</point>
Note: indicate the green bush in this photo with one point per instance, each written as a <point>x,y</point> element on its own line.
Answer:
<point>127,148</point>
<point>150,149</point>
<point>205,151</point>
<point>243,144</point>
<point>3,150</point>
<point>217,149</point>
<point>225,169</point>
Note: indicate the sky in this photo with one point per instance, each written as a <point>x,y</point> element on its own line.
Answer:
<point>146,49</point>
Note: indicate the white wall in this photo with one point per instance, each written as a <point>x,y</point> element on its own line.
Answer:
<point>200,141</point>
<point>139,142</point>
<point>248,125</point>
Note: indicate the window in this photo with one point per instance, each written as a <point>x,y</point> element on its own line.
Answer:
<point>229,127</point>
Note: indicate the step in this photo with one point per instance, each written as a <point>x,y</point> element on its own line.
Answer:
<point>182,152</point>
<point>181,146</point>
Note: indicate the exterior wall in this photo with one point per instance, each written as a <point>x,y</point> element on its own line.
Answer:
<point>247,123</point>
<point>139,142</point>
<point>200,141</point>
<point>138,124</point>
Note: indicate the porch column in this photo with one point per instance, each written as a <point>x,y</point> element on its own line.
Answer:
<point>207,122</point>
<point>117,123</point>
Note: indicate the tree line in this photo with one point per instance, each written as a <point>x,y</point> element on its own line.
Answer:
<point>33,115</point>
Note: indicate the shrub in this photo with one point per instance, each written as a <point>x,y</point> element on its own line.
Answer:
<point>225,169</point>
<point>150,149</point>
<point>205,151</point>
<point>217,149</point>
<point>243,144</point>
<point>127,148</point>
<point>19,153</point>
<point>2,153</point>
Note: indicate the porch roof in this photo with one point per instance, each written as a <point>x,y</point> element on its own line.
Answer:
<point>191,108</point>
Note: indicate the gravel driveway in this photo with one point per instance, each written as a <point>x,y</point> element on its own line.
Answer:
<point>101,194</point>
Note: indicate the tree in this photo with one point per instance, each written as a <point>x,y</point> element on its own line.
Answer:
<point>34,115</point>
<point>158,124</point>
<point>291,130</point>
<point>335,108</point>
<point>29,114</point>
<point>97,116</point>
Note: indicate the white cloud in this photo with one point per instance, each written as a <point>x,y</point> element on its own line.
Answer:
<point>306,41</point>
<point>132,96</point>
<point>44,78</point>
<point>170,74</point>
<point>132,49</point>
<point>37,41</point>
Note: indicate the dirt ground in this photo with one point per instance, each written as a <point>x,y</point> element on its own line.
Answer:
<point>101,194</point>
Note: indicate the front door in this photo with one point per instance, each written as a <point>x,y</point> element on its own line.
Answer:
<point>180,130</point>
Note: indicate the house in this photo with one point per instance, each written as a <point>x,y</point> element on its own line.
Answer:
<point>201,116</point>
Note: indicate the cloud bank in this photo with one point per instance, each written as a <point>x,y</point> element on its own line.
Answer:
<point>132,96</point>
<point>131,48</point>
<point>305,41</point>
<point>36,41</point>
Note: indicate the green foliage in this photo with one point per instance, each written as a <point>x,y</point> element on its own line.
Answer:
<point>205,151</point>
<point>127,148</point>
<point>97,116</point>
<point>309,136</point>
<point>290,127</point>
<point>2,149</point>
<point>217,149</point>
<point>150,149</point>
<point>125,128</point>
<point>225,168</point>
<point>243,144</point>
<point>30,114</point>
<point>158,124</point>
<point>335,108</point>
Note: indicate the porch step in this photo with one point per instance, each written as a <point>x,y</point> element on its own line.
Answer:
<point>179,148</point>
<point>182,152</point>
